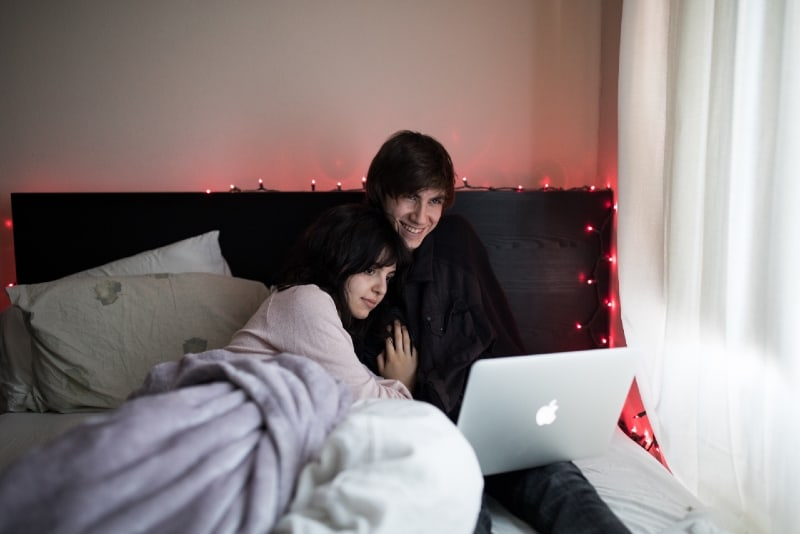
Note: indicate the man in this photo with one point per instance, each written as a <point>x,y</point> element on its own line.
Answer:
<point>456,313</point>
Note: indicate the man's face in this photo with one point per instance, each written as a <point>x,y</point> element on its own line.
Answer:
<point>415,215</point>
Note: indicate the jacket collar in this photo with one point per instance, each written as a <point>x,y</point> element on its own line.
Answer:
<point>422,267</point>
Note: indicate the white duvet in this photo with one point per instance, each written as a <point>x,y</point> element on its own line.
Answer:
<point>389,466</point>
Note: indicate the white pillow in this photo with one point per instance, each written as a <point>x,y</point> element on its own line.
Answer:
<point>93,339</point>
<point>198,254</point>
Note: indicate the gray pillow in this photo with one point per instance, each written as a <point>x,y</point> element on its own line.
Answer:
<point>93,339</point>
<point>200,253</point>
<point>16,363</point>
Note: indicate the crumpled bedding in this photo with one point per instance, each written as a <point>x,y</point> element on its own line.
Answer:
<point>390,466</point>
<point>211,443</point>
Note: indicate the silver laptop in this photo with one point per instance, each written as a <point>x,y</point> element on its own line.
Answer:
<point>527,411</point>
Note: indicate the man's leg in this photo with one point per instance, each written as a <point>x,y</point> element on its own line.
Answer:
<point>484,525</point>
<point>555,498</point>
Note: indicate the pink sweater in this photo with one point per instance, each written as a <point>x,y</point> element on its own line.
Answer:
<point>303,320</point>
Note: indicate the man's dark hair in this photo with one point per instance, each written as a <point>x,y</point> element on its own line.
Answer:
<point>343,241</point>
<point>406,163</point>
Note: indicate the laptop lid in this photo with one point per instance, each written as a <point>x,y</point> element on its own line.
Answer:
<point>526,411</point>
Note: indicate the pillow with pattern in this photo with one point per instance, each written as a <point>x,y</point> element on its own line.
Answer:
<point>93,339</point>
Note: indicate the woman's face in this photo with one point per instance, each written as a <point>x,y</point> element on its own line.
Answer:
<point>366,290</point>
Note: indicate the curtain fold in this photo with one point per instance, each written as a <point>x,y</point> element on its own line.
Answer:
<point>709,245</point>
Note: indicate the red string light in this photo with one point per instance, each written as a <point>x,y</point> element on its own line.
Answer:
<point>596,326</point>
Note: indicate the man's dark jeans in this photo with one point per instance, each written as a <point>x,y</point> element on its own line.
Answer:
<point>554,498</point>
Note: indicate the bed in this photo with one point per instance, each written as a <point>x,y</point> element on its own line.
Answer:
<point>191,268</point>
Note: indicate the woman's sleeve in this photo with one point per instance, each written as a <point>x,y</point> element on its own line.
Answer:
<point>304,321</point>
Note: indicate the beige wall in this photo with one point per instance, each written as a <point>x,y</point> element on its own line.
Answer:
<point>189,95</point>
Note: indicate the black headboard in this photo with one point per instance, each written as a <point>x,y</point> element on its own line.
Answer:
<point>554,268</point>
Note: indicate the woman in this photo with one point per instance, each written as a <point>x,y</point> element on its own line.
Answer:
<point>340,270</point>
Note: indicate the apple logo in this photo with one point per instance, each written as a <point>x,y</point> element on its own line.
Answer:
<point>547,413</point>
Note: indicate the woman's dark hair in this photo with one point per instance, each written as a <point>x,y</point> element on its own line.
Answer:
<point>408,162</point>
<point>343,241</point>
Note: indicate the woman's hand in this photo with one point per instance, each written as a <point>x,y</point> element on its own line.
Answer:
<point>399,360</point>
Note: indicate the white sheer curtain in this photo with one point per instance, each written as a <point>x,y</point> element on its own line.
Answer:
<point>709,245</point>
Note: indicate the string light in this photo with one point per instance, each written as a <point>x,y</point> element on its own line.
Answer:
<point>645,438</point>
<point>464,185</point>
<point>519,188</point>
<point>9,224</point>
<point>598,323</point>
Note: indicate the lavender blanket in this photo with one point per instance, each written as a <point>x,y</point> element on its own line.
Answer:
<point>212,443</point>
